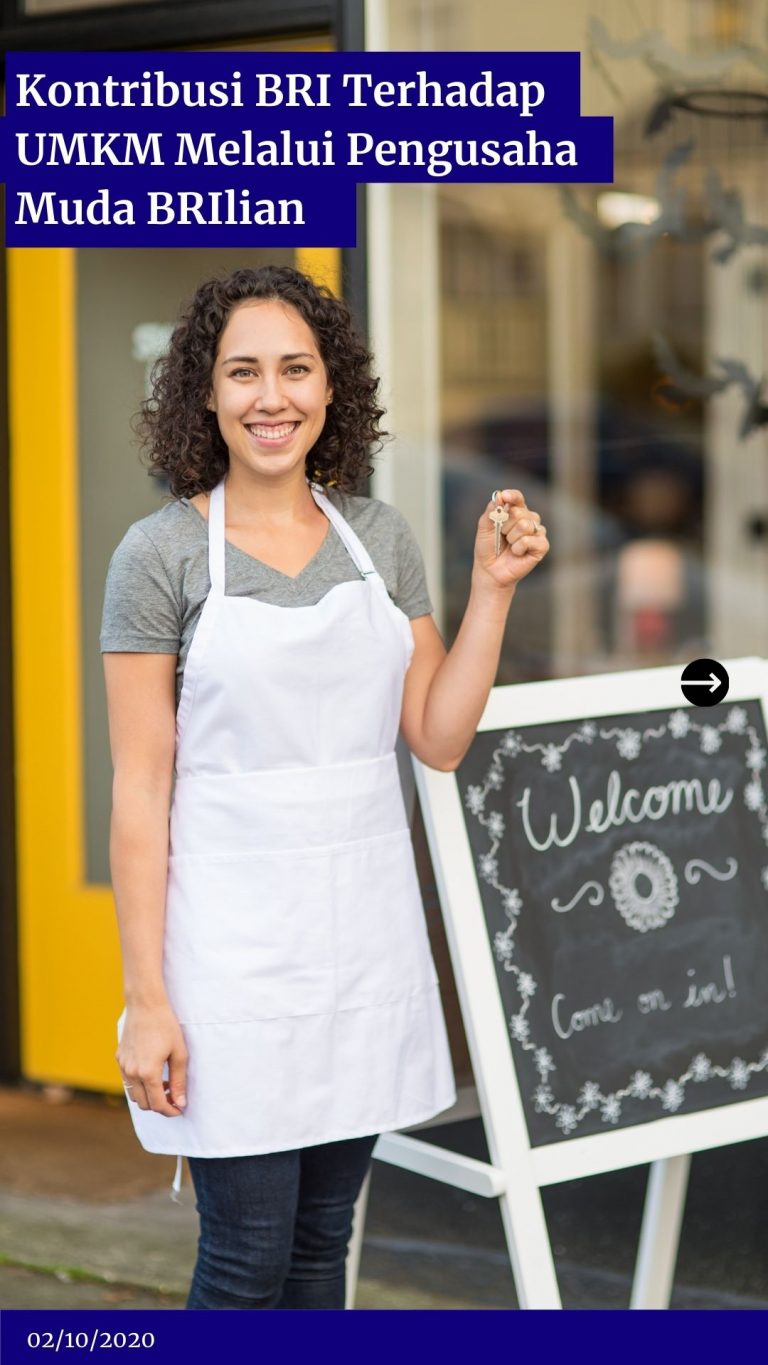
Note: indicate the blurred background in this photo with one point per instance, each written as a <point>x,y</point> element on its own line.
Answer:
<point>603,348</point>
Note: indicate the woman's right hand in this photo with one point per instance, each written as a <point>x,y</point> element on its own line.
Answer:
<point>152,1036</point>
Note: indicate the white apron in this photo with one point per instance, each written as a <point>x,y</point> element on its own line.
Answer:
<point>296,955</point>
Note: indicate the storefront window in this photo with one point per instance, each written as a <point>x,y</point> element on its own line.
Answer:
<point>605,348</point>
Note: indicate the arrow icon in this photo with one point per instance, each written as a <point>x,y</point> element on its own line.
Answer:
<point>711,682</point>
<point>709,674</point>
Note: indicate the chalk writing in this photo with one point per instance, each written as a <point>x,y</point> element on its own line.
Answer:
<point>682,795</point>
<point>649,1001</point>
<point>711,993</point>
<point>603,1013</point>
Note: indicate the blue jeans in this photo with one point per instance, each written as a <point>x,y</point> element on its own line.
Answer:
<point>274,1228</point>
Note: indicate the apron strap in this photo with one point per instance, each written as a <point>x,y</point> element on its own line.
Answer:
<point>176,1183</point>
<point>216,540</point>
<point>351,541</point>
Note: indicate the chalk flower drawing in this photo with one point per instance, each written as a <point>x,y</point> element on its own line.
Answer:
<point>611,1109</point>
<point>701,1067</point>
<point>643,912</point>
<point>551,758</point>
<point>672,1096</point>
<point>566,1118</point>
<point>660,901</point>
<point>495,824</point>
<point>629,743</point>
<point>526,985</point>
<point>488,866</point>
<point>679,724</point>
<point>503,947</point>
<point>589,1096</point>
<point>544,1063</point>
<point>710,739</point>
<point>739,1074</point>
<point>640,1085</point>
<point>511,744</point>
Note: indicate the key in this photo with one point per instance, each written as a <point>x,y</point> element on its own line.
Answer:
<point>498,516</point>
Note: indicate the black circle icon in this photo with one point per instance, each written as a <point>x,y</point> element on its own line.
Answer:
<point>705,682</point>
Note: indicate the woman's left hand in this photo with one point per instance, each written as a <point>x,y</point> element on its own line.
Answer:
<point>523,542</point>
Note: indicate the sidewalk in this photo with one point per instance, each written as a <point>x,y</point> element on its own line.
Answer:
<point>86,1221</point>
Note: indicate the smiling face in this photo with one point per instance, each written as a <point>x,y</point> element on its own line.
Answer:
<point>269,387</point>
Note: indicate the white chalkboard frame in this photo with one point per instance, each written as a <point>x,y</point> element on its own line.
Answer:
<point>524,1169</point>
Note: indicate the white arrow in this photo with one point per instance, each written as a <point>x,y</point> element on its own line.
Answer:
<point>711,682</point>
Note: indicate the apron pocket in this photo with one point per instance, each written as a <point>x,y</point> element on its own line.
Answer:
<point>382,945</point>
<point>249,936</point>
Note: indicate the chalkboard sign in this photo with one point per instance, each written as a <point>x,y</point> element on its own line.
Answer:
<point>622,864</point>
<point>601,858</point>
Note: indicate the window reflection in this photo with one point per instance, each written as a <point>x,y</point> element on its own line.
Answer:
<point>610,358</point>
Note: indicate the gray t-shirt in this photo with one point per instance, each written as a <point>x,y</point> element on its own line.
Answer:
<point>157,580</point>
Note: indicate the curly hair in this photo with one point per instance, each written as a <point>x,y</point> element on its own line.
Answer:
<point>182,436</point>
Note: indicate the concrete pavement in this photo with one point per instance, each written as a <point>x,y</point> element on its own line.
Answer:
<point>86,1221</point>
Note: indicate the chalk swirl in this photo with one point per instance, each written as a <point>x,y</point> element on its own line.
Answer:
<point>695,867</point>
<point>597,895</point>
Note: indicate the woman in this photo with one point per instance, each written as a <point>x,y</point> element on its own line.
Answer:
<point>264,640</point>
